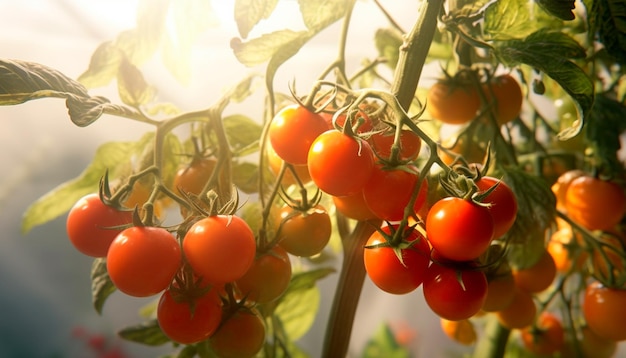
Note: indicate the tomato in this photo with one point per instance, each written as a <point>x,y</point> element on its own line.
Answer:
<point>240,335</point>
<point>410,144</point>
<point>304,233</point>
<point>275,163</point>
<point>453,103</point>
<point>89,225</point>
<point>520,313</point>
<point>454,293</point>
<point>500,292</point>
<point>507,97</point>
<point>192,178</point>
<point>384,268</point>
<point>292,132</point>
<point>462,331</point>
<point>268,277</point>
<point>142,261</point>
<point>547,337</point>
<point>592,345</point>
<point>594,203</point>
<point>604,310</point>
<point>220,248</point>
<point>459,229</point>
<point>339,164</point>
<point>353,206</point>
<point>189,321</point>
<point>537,277</point>
<point>559,188</point>
<point>463,147</point>
<point>503,207</point>
<point>138,196</point>
<point>565,251</point>
<point>388,191</point>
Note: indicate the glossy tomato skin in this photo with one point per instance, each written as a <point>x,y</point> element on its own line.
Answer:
<point>388,191</point>
<point>385,269</point>
<point>548,339</point>
<point>88,224</point>
<point>181,324</point>
<point>445,295</point>
<point>507,96</point>
<point>410,144</point>
<point>304,233</point>
<point>459,229</point>
<point>192,178</point>
<point>293,130</point>
<point>240,335</point>
<point>503,207</point>
<point>453,104</point>
<point>268,277</point>
<point>604,310</point>
<point>594,203</point>
<point>220,248</point>
<point>340,164</point>
<point>142,261</point>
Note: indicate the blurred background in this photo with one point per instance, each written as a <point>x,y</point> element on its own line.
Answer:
<point>45,300</point>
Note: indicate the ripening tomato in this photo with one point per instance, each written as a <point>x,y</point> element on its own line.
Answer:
<point>454,293</point>
<point>303,233</point>
<point>537,277</point>
<point>384,267</point>
<point>268,277</point>
<point>410,144</point>
<point>275,163</point>
<point>500,292</point>
<point>192,178</point>
<point>594,203</point>
<point>354,207</point>
<point>139,195</point>
<point>459,229</point>
<point>220,248</point>
<point>293,130</point>
<point>240,335</point>
<point>389,190</point>
<point>453,103</point>
<point>189,321</point>
<point>507,97</point>
<point>547,337</point>
<point>565,251</point>
<point>503,207</point>
<point>340,164</point>
<point>604,310</point>
<point>559,188</point>
<point>520,313</point>
<point>90,225</point>
<point>462,331</point>
<point>142,261</point>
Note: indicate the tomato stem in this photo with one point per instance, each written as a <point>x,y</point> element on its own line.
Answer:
<point>493,343</point>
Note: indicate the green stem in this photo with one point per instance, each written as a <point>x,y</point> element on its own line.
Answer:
<point>493,343</point>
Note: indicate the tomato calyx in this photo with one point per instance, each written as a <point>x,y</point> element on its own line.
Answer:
<point>397,240</point>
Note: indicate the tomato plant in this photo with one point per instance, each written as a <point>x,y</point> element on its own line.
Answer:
<point>303,233</point>
<point>192,178</point>
<point>546,337</point>
<point>505,94</point>
<point>453,103</point>
<point>268,277</point>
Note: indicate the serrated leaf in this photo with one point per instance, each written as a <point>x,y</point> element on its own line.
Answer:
<point>131,85</point>
<point>248,13</point>
<point>241,131</point>
<point>262,49</point>
<point>563,9</point>
<point>101,285</point>
<point>550,52</point>
<point>388,42</point>
<point>148,333</point>
<point>246,177</point>
<point>318,14</point>
<point>103,66</point>
<point>298,307</point>
<point>515,19</point>
<point>59,200</point>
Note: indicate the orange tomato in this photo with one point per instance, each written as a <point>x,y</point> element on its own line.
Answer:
<point>594,203</point>
<point>508,97</point>
<point>275,162</point>
<point>604,310</point>
<point>462,331</point>
<point>559,188</point>
<point>547,337</point>
<point>354,207</point>
<point>520,313</point>
<point>566,251</point>
<point>538,277</point>
<point>500,293</point>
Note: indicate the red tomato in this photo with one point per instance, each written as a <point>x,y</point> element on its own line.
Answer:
<point>339,164</point>
<point>354,207</point>
<point>459,229</point>
<point>268,277</point>
<point>385,269</point>
<point>547,338</point>
<point>142,261</point>
<point>503,207</point>
<point>410,144</point>
<point>241,335</point>
<point>89,225</point>
<point>192,178</point>
<point>454,294</point>
<point>604,310</point>
<point>453,103</point>
<point>220,248</point>
<point>388,191</point>
<point>189,321</point>
<point>304,233</point>
<point>507,97</point>
<point>292,132</point>
<point>594,203</point>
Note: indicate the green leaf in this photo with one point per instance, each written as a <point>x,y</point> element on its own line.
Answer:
<point>59,200</point>
<point>242,132</point>
<point>318,14</point>
<point>148,333</point>
<point>261,49</point>
<point>298,306</point>
<point>515,19</point>
<point>103,67</point>
<point>609,17</point>
<point>131,85</point>
<point>246,177</point>
<point>550,52</point>
<point>189,351</point>
<point>384,344</point>
<point>242,90</point>
<point>101,285</point>
<point>606,123</point>
<point>559,8</point>
<point>388,42</point>
<point>248,13</point>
